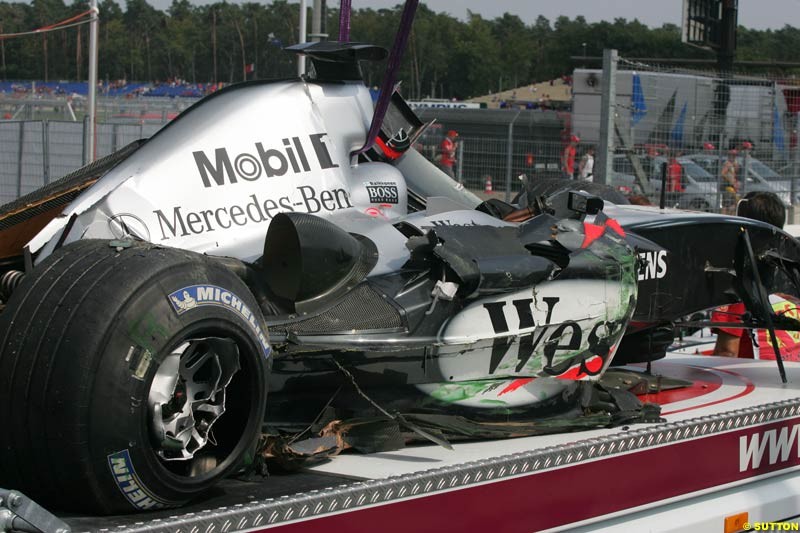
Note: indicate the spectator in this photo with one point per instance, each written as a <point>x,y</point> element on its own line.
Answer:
<point>674,175</point>
<point>638,199</point>
<point>586,166</point>
<point>731,342</point>
<point>447,153</point>
<point>764,206</point>
<point>568,157</point>
<point>730,184</point>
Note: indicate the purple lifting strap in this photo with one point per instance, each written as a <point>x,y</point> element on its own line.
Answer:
<point>387,87</point>
<point>344,21</point>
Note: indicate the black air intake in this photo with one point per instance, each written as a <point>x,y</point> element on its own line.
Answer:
<point>309,261</point>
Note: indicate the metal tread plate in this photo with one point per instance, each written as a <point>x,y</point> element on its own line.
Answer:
<point>362,494</point>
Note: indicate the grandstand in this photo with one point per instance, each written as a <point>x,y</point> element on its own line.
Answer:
<point>111,89</point>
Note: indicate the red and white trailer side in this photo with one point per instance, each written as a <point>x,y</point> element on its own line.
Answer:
<point>730,445</point>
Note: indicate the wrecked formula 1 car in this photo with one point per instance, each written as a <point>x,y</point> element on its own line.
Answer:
<point>259,243</point>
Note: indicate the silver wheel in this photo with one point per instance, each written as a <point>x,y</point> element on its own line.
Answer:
<point>187,396</point>
<point>700,205</point>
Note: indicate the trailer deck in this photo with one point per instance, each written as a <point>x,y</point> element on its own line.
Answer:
<point>730,445</point>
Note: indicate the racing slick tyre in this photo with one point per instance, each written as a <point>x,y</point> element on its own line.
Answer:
<point>132,377</point>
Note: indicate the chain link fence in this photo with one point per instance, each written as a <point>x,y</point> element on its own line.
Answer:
<point>109,109</point>
<point>496,147</point>
<point>35,152</point>
<point>707,139</point>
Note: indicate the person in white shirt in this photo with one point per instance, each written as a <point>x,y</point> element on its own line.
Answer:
<point>586,166</point>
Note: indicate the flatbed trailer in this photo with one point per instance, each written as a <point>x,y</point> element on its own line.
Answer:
<point>726,458</point>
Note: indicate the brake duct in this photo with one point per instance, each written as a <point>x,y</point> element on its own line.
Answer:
<point>310,261</point>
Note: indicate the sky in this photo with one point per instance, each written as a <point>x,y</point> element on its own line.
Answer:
<point>755,14</point>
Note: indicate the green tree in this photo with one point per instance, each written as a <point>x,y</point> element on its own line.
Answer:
<point>13,18</point>
<point>45,12</point>
<point>446,57</point>
<point>142,23</point>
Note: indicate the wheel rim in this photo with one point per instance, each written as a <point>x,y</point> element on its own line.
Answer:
<point>188,395</point>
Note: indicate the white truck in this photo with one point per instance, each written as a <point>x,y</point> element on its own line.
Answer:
<point>682,109</point>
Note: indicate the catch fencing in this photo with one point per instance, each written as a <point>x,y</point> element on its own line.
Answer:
<point>36,152</point>
<point>710,139</point>
<point>497,146</point>
<point>75,108</point>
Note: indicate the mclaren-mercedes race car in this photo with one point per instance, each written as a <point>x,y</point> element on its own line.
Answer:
<point>257,243</point>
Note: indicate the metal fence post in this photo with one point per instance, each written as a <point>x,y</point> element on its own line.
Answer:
<point>46,151</point>
<point>720,161</point>
<point>85,158</point>
<point>92,96</point>
<point>745,170</point>
<point>460,158</point>
<point>19,157</point>
<point>608,113</point>
<point>795,171</point>
<point>509,156</point>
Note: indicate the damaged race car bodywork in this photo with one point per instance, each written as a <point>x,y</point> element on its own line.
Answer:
<point>249,246</point>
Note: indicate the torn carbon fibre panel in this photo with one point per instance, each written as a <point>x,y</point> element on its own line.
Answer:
<point>353,422</point>
<point>362,309</point>
<point>490,259</point>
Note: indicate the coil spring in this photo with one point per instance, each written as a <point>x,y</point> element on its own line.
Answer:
<point>10,281</point>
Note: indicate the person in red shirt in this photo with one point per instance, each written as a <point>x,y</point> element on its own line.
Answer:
<point>733,342</point>
<point>674,175</point>
<point>447,153</point>
<point>568,157</point>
